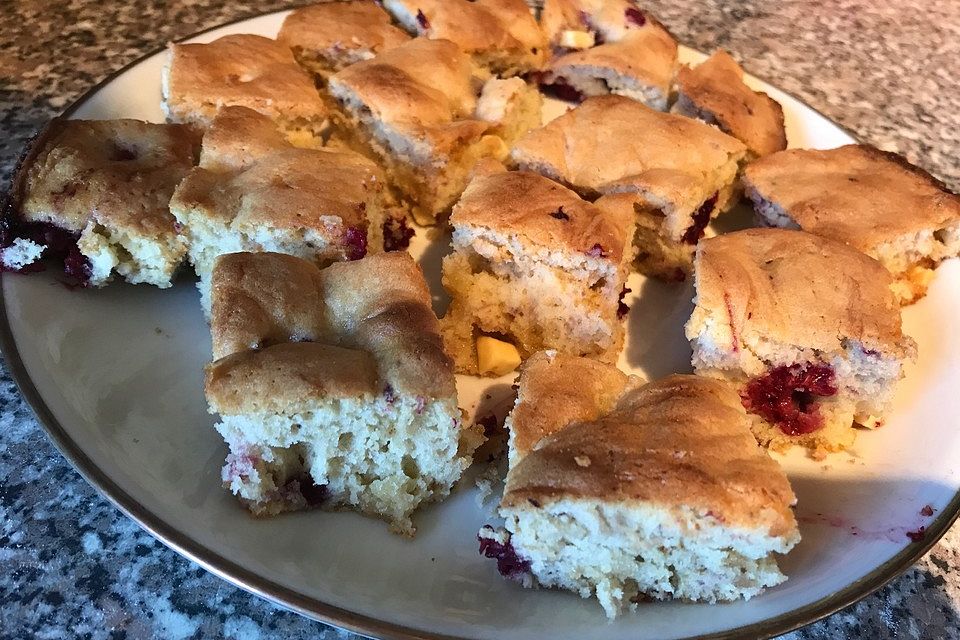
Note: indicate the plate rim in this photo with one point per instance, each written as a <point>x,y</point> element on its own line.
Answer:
<point>339,617</point>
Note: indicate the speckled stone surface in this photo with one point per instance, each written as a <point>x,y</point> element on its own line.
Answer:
<point>73,566</point>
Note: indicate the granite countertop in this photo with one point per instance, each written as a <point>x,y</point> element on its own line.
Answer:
<point>72,565</point>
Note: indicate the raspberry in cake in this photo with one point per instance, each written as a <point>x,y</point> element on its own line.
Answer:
<point>412,108</point>
<point>629,491</point>
<point>714,91</point>
<point>872,200</point>
<point>805,327</point>
<point>500,35</point>
<point>535,265</point>
<point>682,171</point>
<point>640,65</point>
<point>329,36</point>
<point>581,24</point>
<point>332,386</point>
<point>243,70</point>
<point>95,194</point>
<point>254,191</point>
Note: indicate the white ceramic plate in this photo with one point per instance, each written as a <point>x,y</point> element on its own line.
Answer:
<point>116,377</point>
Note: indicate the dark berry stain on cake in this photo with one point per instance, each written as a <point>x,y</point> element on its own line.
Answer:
<point>787,396</point>
<point>422,20</point>
<point>622,307</point>
<point>397,234</point>
<point>634,17</point>
<point>59,244</point>
<point>559,214</point>
<point>355,240</point>
<point>560,89</point>
<point>597,251</point>
<point>701,218</point>
<point>509,563</point>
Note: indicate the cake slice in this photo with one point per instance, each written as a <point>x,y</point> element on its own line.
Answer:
<point>329,36</point>
<point>412,108</point>
<point>254,191</point>
<point>872,200</point>
<point>536,266</point>
<point>629,491</point>
<point>640,65</point>
<point>682,171</point>
<point>805,327</point>
<point>500,35</point>
<point>247,71</point>
<point>511,106</point>
<point>95,194</point>
<point>581,24</point>
<point>332,386</point>
<point>714,92</point>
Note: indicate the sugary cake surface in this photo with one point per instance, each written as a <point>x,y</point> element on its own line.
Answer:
<point>542,213</point>
<point>121,172</point>
<point>237,137</point>
<point>856,194</point>
<point>682,442</point>
<point>714,91</point>
<point>595,146</point>
<point>340,32</point>
<point>344,330</point>
<point>501,34</point>
<point>764,287</point>
<point>244,70</point>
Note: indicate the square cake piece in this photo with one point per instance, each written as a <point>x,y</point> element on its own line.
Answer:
<point>683,171</point>
<point>96,194</point>
<point>412,108</point>
<point>536,265</point>
<point>254,191</point>
<point>714,92</point>
<point>500,35</point>
<point>629,491</point>
<point>805,327</point>
<point>639,65</point>
<point>329,36</point>
<point>247,71</point>
<point>872,200</point>
<point>332,386</point>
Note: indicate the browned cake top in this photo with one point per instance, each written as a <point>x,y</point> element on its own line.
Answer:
<point>856,194</point>
<point>119,172</point>
<point>244,70</point>
<point>609,138</point>
<point>542,212</point>
<point>341,26</point>
<point>795,288</point>
<point>610,20</point>
<point>716,86</point>
<point>239,136</point>
<point>286,333</point>
<point>681,442</point>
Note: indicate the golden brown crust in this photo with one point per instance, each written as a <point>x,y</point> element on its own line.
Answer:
<point>600,143</point>
<point>237,137</point>
<point>648,55</point>
<point>798,289</point>
<point>542,212</point>
<point>607,19</point>
<point>242,70</point>
<point>715,87</point>
<point>341,31</point>
<point>856,194</point>
<point>119,173</point>
<point>378,306</point>
<point>680,442</point>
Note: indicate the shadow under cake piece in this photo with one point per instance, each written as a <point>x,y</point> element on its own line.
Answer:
<point>253,191</point>
<point>412,108</point>
<point>500,35</point>
<point>247,71</point>
<point>629,491</point>
<point>805,327</point>
<point>95,194</point>
<point>332,386</point>
<point>639,64</point>
<point>329,36</point>
<point>714,91</point>
<point>534,263</point>
<point>873,200</point>
<point>682,171</point>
